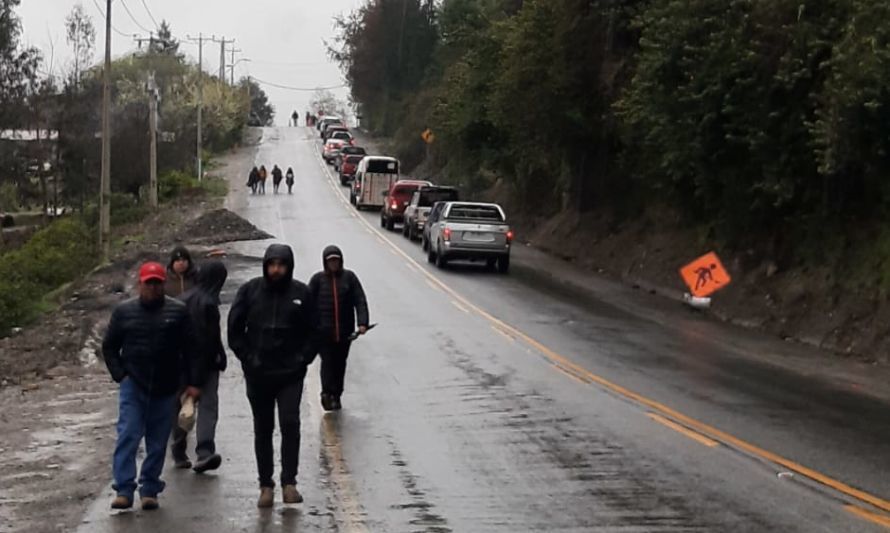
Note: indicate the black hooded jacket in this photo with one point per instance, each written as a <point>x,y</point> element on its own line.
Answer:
<point>339,298</point>
<point>272,325</point>
<point>202,302</point>
<point>152,345</point>
<point>176,285</point>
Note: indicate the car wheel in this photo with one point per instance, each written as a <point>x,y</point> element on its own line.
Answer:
<point>441,262</point>
<point>430,255</point>
<point>504,264</point>
<point>491,263</point>
<point>382,221</point>
<point>424,244</point>
<point>412,233</point>
<point>390,224</point>
<point>405,230</point>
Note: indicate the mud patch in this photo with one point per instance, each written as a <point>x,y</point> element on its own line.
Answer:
<point>219,226</point>
<point>46,473</point>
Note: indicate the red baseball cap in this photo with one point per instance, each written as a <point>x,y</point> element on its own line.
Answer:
<point>152,271</point>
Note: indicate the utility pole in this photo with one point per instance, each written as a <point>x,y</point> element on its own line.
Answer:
<point>105,186</point>
<point>153,155</point>
<point>232,63</point>
<point>222,55</point>
<point>200,40</point>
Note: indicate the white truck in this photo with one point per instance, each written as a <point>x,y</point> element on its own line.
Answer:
<point>373,179</point>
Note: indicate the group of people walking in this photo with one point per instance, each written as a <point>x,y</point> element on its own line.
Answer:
<point>165,348</point>
<point>256,180</point>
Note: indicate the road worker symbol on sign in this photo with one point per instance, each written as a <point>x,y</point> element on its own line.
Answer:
<point>705,275</point>
<point>428,136</point>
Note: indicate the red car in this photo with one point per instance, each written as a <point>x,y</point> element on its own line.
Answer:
<point>397,199</point>
<point>348,166</point>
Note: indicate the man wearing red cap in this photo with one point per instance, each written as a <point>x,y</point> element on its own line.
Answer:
<point>146,347</point>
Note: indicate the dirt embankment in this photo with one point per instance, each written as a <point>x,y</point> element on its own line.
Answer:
<point>57,404</point>
<point>802,304</point>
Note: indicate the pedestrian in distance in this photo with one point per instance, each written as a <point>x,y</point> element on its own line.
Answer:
<point>202,303</point>
<point>341,302</point>
<point>263,176</point>
<point>181,272</point>
<point>295,118</point>
<point>148,350</point>
<point>272,332</point>
<point>253,179</point>
<point>276,178</point>
<point>289,179</point>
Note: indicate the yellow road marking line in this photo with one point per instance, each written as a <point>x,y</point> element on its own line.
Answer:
<point>504,334</point>
<point>459,306</point>
<point>680,429</point>
<point>433,286</point>
<point>701,427</point>
<point>342,478</point>
<point>565,372</point>
<point>879,519</point>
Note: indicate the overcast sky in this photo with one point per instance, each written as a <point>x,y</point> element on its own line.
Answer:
<point>282,38</point>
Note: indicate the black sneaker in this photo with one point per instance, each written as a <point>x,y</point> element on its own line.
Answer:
<point>335,403</point>
<point>327,402</point>
<point>182,463</point>
<point>210,463</point>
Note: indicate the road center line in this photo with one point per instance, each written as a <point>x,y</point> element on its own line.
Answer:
<point>879,519</point>
<point>685,431</point>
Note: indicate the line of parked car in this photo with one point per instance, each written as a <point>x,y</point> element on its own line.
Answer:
<point>448,228</point>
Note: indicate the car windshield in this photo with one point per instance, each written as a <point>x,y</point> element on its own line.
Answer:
<point>475,212</point>
<point>358,150</point>
<point>429,198</point>
<point>354,159</point>
<point>383,166</point>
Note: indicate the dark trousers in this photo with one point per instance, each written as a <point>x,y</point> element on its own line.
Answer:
<point>205,430</point>
<point>264,393</point>
<point>333,367</point>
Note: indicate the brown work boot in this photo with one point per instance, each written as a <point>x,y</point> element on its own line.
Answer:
<point>149,503</point>
<point>290,494</point>
<point>267,498</point>
<point>121,502</point>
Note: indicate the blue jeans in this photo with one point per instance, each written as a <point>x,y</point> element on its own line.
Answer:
<point>141,415</point>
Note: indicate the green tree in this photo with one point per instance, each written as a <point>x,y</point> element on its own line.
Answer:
<point>81,36</point>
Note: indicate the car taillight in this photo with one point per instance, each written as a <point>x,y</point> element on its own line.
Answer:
<point>510,236</point>
<point>395,205</point>
<point>446,234</point>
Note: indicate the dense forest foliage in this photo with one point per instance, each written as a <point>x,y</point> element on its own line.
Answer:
<point>756,119</point>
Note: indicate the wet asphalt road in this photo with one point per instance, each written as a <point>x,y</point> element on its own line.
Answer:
<point>454,420</point>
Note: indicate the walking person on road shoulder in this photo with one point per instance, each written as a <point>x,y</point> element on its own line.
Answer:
<point>276,178</point>
<point>272,332</point>
<point>340,300</point>
<point>181,272</point>
<point>264,174</point>
<point>289,179</point>
<point>253,179</point>
<point>202,303</point>
<point>147,348</point>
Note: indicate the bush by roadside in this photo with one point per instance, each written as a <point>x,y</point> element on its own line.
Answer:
<point>56,255</point>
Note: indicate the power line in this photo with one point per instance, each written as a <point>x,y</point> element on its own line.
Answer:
<point>102,12</point>
<point>127,9</point>
<point>303,89</point>
<point>152,17</point>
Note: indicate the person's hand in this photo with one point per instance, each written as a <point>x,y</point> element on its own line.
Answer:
<point>193,392</point>
<point>362,330</point>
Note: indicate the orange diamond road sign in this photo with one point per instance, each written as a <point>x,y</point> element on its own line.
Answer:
<point>428,136</point>
<point>705,275</point>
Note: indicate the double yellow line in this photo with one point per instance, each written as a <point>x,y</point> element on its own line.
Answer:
<point>703,432</point>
